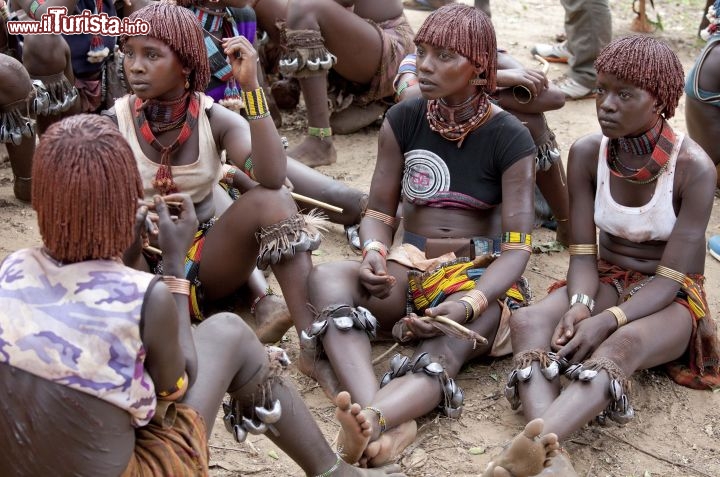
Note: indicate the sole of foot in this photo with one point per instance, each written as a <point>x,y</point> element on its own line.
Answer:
<point>355,433</point>
<point>526,455</point>
<point>388,447</point>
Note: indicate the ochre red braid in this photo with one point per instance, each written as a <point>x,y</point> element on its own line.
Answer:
<point>163,181</point>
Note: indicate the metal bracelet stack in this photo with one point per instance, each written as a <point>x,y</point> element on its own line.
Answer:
<point>453,396</point>
<point>344,318</point>
<point>240,420</point>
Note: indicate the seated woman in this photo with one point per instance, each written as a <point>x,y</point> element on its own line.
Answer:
<point>320,48</point>
<point>634,298</point>
<point>454,158</point>
<point>527,94</point>
<point>221,20</point>
<point>176,133</point>
<point>103,358</point>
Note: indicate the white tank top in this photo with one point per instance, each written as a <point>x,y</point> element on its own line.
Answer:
<point>196,179</point>
<point>652,221</point>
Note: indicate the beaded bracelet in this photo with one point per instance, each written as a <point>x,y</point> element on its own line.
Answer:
<point>322,133</point>
<point>403,86</point>
<point>674,275</point>
<point>468,310</point>
<point>382,217</point>
<point>255,104</point>
<point>382,422</point>
<point>332,469</point>
<point>176,285</point>
<point>228,173</point>
<point>180,385</point>
<point>516,241</point>
<point>583,249</point>
<point>619,315</point>
<point>477,300</point>
<point>375,245</point>
<point>33,8</point>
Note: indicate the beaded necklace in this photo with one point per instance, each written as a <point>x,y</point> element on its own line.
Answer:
<point>166,115</point>
<point>163,181</point>
<point>654,167</point>
<point>454,123</point>
<point>644,143</point>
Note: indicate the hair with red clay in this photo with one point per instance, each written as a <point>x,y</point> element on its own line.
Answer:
<point>177,27</point>
<point>648,63</point>
<point>85,189</point>
<point>466,30</point>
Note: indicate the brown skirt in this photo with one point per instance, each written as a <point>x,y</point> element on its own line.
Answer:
<point>180,450</point>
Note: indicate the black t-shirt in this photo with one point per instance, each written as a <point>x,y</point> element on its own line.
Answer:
<point>439,174</point>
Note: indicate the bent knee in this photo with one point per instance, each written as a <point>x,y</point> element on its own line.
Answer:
<point>230,328</point>
<point>303,14</point>
<point>334,275</point>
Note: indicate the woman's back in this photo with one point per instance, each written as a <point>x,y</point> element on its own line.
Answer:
<point>50,429</point>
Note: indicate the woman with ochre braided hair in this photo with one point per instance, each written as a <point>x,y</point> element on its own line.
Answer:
<point>464,169</point>
<point>101,358</point>
<point>177,132</point>
<point>633,298</point>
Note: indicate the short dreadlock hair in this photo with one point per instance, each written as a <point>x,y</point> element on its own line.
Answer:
<point>180,30</point>
<point>648,63</point>
<point>85,190</point>
<point>466,30</point>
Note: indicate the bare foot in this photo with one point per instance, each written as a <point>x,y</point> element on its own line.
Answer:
<point>272,319</point>
<point>354,117</point>
<point>314,152</point>
<point>356,430</point>
<point>528,453</point>
<point>389,445</point>
<point>321,371</point>
<point>560,466</point>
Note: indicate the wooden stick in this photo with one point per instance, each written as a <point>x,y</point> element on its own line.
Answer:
<point>152,249</point>
<point>387,352</point>
<point>456,326</point>
<point>170,203</point>
<point>310,200</point>
<point>546,65</point>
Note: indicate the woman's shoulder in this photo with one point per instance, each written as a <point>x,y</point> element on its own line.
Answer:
<point>694,158</point>
<point>588,144</point>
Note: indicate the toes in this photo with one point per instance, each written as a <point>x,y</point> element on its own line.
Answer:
<point>549,439</point>
<point>534,428</point>
<point>342,401</point>
<point>372,450</point>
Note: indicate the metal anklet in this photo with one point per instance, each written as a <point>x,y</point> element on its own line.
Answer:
<point>453,396</point>
<point>550,367</point>
<point>619,408</point>
<point>344,318</point>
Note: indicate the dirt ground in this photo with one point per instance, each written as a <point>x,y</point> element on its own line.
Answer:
<point>675,432</point>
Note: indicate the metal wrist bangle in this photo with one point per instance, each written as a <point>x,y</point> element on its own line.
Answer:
<point>584,299</point>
